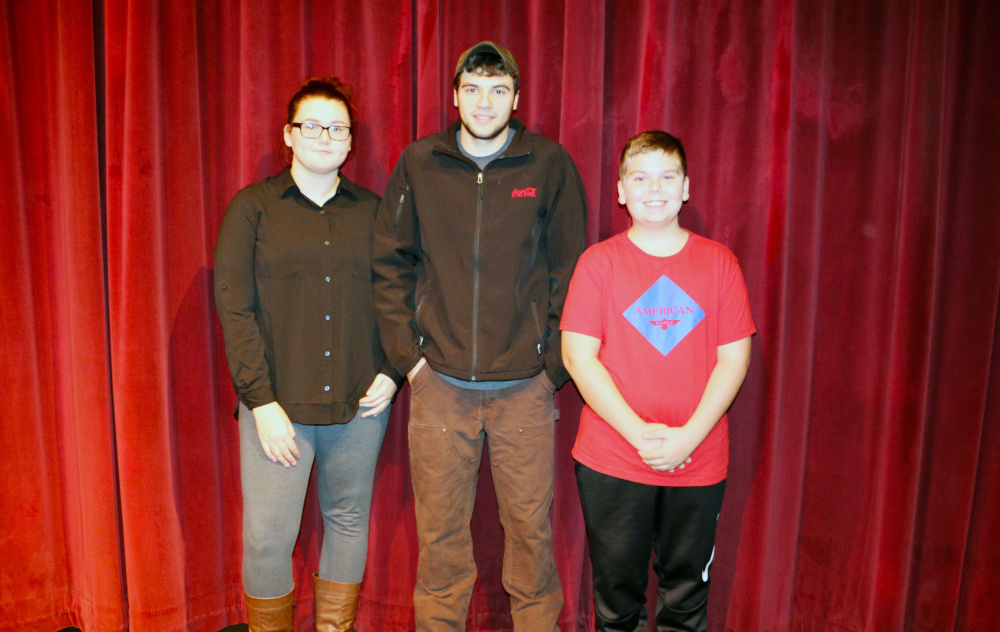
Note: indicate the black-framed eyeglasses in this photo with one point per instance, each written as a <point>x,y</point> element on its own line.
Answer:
<point>312,130</point>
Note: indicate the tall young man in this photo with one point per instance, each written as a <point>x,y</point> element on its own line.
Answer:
<point>475,242</point>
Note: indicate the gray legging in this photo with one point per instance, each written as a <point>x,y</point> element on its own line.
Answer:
<point>273,496</point>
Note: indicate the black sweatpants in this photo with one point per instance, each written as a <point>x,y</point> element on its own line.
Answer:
<point>625,521</point>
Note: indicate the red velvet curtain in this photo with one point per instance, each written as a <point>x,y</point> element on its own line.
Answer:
<point>844,150</point>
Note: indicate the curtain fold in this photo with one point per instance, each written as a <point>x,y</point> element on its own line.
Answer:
<point>59,529</point>
<point>843,150</point>
<point>179,474</point>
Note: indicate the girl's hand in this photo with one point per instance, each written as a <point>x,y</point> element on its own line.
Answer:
<point>378,396</point>
<point>276,434</point>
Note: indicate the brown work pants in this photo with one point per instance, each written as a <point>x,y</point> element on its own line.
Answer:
<point>446,431</point>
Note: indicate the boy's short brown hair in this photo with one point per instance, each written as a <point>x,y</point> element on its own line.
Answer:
<point>654,140</point>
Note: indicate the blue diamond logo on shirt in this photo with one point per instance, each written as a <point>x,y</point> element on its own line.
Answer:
<point>664,315</point>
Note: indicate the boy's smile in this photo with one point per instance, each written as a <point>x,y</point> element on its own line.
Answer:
<point>653,189</point>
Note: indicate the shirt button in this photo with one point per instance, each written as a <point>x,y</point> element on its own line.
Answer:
<point>326,388</point>
<point>327,279</point>
<point>327,354</point>
<point>328,317</point>
<point>322,212</point>
<point>326,243</point>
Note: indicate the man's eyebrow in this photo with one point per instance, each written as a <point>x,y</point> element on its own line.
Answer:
<point>466,84</point>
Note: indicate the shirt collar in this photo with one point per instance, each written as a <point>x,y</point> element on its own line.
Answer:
<point>285,184</point>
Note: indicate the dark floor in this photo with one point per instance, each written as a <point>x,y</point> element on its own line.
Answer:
<point>239,627</point>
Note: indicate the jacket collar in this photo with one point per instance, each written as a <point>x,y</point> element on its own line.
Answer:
<point>520,146</point>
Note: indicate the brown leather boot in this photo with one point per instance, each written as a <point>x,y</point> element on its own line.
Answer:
<point>270,615</point>
<point>336,605</point>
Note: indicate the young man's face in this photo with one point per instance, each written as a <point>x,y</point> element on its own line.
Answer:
<point>653,188</point>
<point>485,104</point>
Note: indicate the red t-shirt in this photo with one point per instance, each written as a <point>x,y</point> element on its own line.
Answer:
<point>660,320</point>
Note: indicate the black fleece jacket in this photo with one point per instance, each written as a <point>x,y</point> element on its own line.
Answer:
<point>470,268</point>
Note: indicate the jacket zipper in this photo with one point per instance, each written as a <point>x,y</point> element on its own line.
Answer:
<point>538,325</point>
<point>475,278</point>
<point>416,320</point>
<point>399,208</point>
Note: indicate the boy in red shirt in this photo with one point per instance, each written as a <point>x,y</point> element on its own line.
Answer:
<point>656,334</point>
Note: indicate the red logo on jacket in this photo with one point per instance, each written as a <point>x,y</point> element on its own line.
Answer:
<point>528,192</point>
